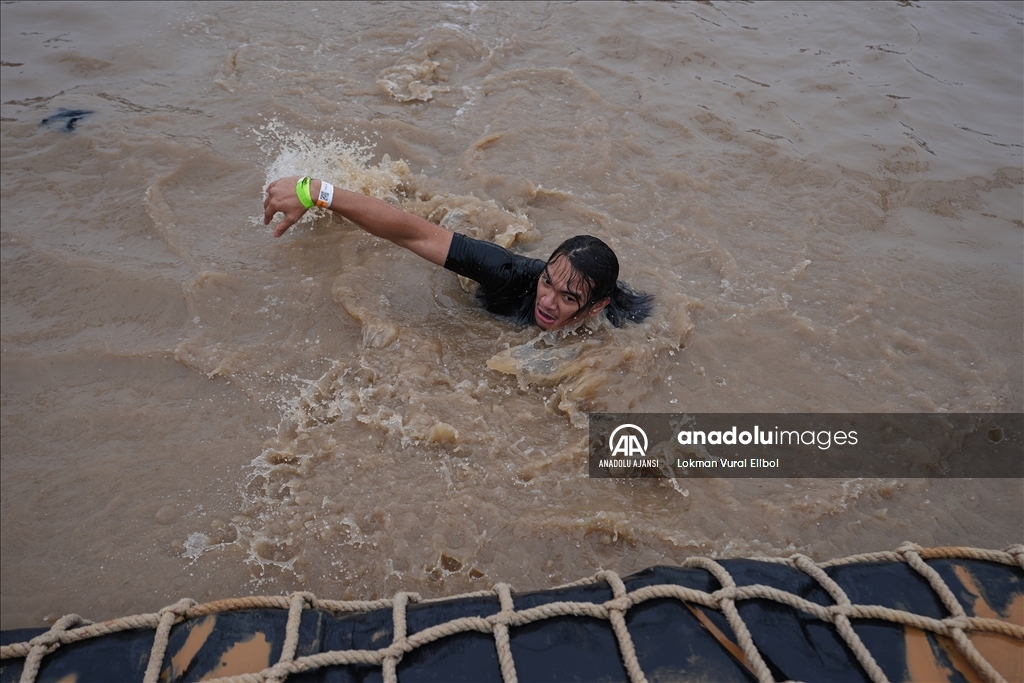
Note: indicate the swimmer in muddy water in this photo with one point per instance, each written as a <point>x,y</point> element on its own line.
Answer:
<point>580,279</point>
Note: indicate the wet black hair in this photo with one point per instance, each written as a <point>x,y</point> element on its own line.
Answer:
<point>596,268</point>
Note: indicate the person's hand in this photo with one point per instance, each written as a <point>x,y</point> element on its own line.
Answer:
<point>281,198</point>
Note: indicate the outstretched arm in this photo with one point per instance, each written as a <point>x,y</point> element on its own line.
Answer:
<point>376,217</point>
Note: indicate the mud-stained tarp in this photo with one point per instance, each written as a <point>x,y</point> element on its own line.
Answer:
<point>674,639</point>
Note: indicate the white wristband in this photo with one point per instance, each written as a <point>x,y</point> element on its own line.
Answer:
<point>326,196</point>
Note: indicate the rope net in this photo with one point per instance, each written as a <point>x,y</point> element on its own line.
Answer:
<point>965,626</point>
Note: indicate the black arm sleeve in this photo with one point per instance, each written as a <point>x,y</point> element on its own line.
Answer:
<point>508,282</point>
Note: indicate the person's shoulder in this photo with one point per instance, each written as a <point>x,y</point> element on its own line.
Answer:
<point>464,244</point>
<point>468,253</point>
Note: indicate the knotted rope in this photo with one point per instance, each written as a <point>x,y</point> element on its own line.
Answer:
<point>72,628</point>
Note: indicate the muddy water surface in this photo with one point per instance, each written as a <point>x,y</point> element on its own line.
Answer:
<point>826,200</point>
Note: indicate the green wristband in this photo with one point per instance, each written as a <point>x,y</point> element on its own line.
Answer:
<point>302,190</point>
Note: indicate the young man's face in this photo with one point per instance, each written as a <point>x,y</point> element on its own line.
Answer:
<point>559,302</point>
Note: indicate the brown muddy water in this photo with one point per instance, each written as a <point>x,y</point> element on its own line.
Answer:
<point>826,200</point>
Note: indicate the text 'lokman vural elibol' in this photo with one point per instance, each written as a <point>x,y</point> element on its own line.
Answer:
<point>789,445</point>
<point>625,442</point>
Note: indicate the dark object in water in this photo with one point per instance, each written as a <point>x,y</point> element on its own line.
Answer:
<point>917,614</point>
<point>70,117</point>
